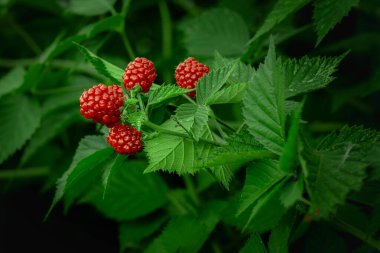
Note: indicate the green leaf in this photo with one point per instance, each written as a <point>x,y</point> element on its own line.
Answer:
<point>189,232</point>
<point>102,66</point>
<point>219,30</point>
<point>12,81</point>
<point>76,85</point>
<point>130,193</point>
<point>50,127</point>
<point>292,191</point>
<point>321,238</point>
<point>175,154</point>
<point>289,156</point>
<point>211,83</point>
<point>195,116</point>
<point>254,244</point>
<point>136,119</point>
<point>20,118</point>
<point>242,73</point>
<point>231,94</point>
<point>337,166</point>
<point>309,74</point>
<point>90,7</point>
<point>90,154</point>
<point>280,11</point>
<point>135,231</point>
<point>165,92</point>
<point>223,174</point>
<point>261,177</point>
<point>112,23</point>
<point>328,13</point>
<point>278,240</point>
<point>264,103</point>
<point>109,168</point>
<point>241,149</point>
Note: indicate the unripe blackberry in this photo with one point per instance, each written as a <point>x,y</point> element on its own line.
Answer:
<point>188,73</point>
<point>102,104</point>
<point>125,139</point>
<point>140,72</point>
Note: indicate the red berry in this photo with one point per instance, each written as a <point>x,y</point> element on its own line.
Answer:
<point>125,139</point>
<point>139,72</point>
<point>102,104</point>
<point>188,73</point>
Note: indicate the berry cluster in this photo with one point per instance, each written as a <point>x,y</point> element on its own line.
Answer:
<point>103,104</point>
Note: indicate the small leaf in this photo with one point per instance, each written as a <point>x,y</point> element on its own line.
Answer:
<point>189,232</point>
<point>195,116</point>
<point>130,193</point>
<point>102,66</point>
<point>90,154</point>
<point>132,232</point>
<point>12,81</point>
<point>241,149</point>
<point>136,119</point>
<point>219,30</point>
<point>278,240</point>
<point>50,127</point>
<point>223,174</point>
<point>328,13</point>
<point>231,94</point>
<point>289,159</point>
<point>109,168</point>
<point>20,118</point>
<point>292,191</point>
<point>280,11</point>
<point>165,92</point>
<point>254,244</point>
<point>309,74</point>
<point>261,177</point>
<point>173,153</point>
<point>337,166</point>
<point>264,103</point>
<point>90,7</point>
<point>211,83</point>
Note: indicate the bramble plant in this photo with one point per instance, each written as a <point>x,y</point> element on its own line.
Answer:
<point>223,142</point>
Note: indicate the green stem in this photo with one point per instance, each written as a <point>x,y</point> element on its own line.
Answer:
<point>25,36</point>
<point>166,25</point>
<point>125,7</point>
<point>59,64</point>
<point>127,44</point>
<point>167,131</point>
<point>357,233</point>
<point>141,103</point>
<point>24,173</point>
<point>191,189</point>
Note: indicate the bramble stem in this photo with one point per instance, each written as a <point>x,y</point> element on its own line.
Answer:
<point>25,36</point>
<point>167,131</point>
<point>141,103</point>
<point>127,44</point>
<point>191,189</point>
<point>166,25</point>
<point>357,233</point>
<point>24,173</point>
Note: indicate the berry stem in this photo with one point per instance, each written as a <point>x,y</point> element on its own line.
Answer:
<point>191,189</point>
<point>357,233</point>
<point>25,36</point>
<point>127,44</point>
<point>24,173</point>
<point>166,25</point>
<point>141,103</point>
<point>167,131</point>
